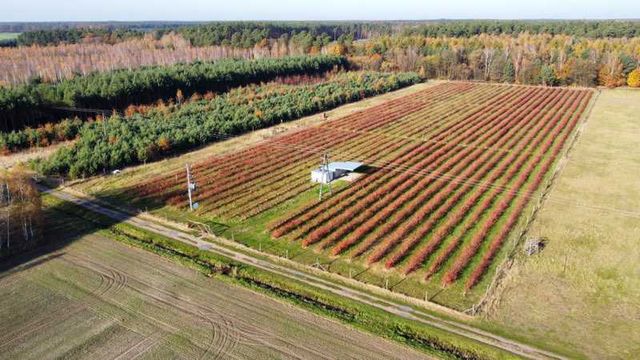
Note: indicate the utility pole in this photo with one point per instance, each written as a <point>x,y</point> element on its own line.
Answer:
<point>325,171</point>
<point>191,186</point>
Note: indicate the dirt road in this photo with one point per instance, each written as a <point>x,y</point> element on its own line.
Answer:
<point>398,309</point>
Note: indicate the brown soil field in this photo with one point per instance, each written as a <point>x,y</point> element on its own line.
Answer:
<point>98,299</point>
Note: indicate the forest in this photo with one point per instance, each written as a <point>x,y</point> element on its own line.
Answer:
<point>553,53</point>
<point>20,65</point>
<point>248,34</point>
<point>308,34</point>
<point>236,34</point>
<point>27,105</point>
<point>149,64</point>
<point>578,28</point>
<point>75,35</point>
<point>120,141</point>
<point>543,59</point>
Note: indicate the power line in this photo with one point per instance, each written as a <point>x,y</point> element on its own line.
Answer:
<point>435,175</point>
<point>444,176</point>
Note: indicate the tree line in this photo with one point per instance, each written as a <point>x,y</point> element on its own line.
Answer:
<point>579,28</point>
<point>18,65</point>
<point>27,105</point>
<point>524,59</point>
<point>120,141</point>
<point>25,26</point>
<point>75,36</point>
<point>549,52</point>
<point>249,33</point>
<point>236,34</point>
<point>309,34</point>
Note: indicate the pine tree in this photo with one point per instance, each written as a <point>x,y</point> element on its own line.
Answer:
<point>548,76</point>
<point>509,72</point>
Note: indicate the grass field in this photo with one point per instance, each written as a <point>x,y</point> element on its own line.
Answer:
<point>8,36</point>
<point>582,292</point>
<point>100,299</point>
<point>453,166</point>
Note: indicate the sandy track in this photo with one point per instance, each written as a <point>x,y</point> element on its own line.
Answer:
<point>101,299</point>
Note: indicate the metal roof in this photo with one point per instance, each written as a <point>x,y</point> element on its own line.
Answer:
<point>344,165</point>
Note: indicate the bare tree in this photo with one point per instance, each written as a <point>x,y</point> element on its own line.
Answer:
<point>20,212</point>
<point>488,56</point>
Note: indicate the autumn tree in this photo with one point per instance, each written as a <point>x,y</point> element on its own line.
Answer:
<point>611,72</point>
<point>337,49</point>
<point>582,72</point>
<point>20,212</point>
<point>634,78</point>
<point>179,96</point>
<point>164,144</point>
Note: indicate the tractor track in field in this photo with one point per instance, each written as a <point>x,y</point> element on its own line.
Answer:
<point>399,309</point>
<point>222,338</point>
<point>226,333</point>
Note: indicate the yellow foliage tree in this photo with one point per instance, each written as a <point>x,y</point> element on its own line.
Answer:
<point>164,143</point>
<point>337,49</point>
<point>179,96</point>
<point>634,78</point>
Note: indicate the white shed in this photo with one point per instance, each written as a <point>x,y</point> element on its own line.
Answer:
<point>333,171</point>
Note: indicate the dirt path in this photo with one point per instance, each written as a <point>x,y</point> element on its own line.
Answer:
<point>402,310</point>
<point>101,299</point>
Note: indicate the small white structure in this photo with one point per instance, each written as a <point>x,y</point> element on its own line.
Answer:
<point>334,170</point>
<point>321,176</point>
